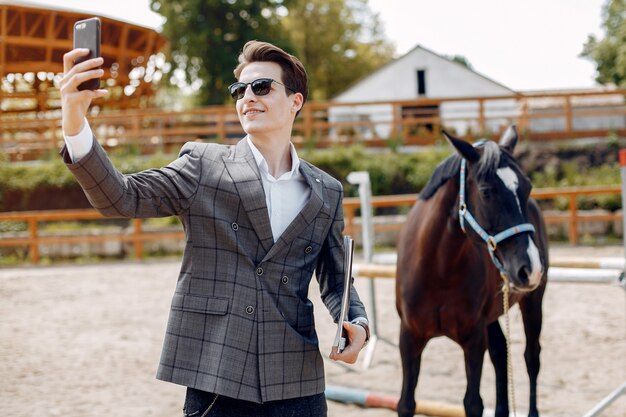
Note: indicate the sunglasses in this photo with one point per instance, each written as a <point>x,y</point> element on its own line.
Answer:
<point>260,87</point>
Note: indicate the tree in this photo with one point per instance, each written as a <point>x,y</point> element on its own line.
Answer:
<point>339,42</point>
<point>206,37</point>
<point>609,53</point>
<point>460,59</point>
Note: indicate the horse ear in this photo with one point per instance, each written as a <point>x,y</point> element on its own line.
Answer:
<point>465,149</point>
<point>508,140</point>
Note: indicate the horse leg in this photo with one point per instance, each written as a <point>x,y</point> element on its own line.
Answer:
<point>474,350</point>
<point>411,348</point>
<point>532,317</point>
<point>497,353</point>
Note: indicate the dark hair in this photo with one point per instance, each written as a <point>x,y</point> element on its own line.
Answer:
<point>294,74</point>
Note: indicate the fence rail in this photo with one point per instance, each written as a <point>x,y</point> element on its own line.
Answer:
<point>572,217</point>
<point>139,235</point>
<point>539,117</point>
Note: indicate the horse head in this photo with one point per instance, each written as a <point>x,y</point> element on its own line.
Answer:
<point>493,200</point>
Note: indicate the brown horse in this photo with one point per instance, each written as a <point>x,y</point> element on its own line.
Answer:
<point>473,225</point>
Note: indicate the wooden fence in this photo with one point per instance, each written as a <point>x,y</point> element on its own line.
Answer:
<point>539,117</point>
<point>572,217</point>
<point>138,235</point>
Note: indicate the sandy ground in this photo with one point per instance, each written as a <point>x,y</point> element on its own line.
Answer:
<point>85,341</point>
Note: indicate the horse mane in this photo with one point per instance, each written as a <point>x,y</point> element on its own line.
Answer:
<point>450,167</point>
<point>447,169</point>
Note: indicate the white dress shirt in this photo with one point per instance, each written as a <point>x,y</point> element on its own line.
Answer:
<point>286,195</point>
<point>80,144</point>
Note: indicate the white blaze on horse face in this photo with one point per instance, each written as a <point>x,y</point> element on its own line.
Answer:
<point>535,263</point>
<point>510,180</point>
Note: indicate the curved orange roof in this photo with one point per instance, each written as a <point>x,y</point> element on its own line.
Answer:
<point>34,38</point>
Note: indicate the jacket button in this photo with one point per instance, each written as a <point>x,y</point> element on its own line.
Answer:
<point>308,249</point>
<point>285,279</point>
<point>259,271</point>
<point>249,310</point>
<point>235,226</point>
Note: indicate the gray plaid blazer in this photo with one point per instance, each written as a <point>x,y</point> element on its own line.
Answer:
<point>240,324</point>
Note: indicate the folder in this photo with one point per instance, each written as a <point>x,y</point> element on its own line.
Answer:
<point>341,337</point>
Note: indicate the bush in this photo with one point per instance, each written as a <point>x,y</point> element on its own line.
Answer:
<point>571,175</point>
<point>391,172</point>
<point>23,183</point>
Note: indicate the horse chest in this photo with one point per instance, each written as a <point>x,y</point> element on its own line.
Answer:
<point>451,307</point>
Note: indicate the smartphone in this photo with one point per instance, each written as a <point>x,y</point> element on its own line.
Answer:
<point>87,35</point>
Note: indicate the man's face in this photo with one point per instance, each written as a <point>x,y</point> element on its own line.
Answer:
<point>272,113</point>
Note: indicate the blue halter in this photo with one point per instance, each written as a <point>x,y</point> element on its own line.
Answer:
<point>491,241</point>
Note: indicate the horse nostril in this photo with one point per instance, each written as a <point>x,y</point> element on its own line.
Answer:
<point>523,274</point>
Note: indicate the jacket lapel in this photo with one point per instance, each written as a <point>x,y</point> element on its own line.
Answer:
<point>245,174</point>
<point>306,215</point>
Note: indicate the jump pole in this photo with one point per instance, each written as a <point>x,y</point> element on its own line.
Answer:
<point>595,263</point>
<point>572,275</point>
<point>368,399</point>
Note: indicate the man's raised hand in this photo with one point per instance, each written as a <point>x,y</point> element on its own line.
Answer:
<point>75,103</point>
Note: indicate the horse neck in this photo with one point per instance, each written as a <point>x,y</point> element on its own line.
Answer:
<point>450,233</point>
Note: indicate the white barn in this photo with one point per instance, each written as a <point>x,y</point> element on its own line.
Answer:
<point>423,74</point>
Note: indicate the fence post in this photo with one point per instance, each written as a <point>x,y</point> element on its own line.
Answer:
<point>34,239</point>
<point>362,178</point>
<point>221,127</point>
<point>307,115</point>
<point>348,216</point>
<point>137,242</point>
<point>568,114</point>
<point>481,117</point>
<point>573,221</point>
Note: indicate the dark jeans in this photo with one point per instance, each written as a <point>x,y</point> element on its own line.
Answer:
<point>205,404</point>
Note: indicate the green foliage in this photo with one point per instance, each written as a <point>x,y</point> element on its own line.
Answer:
<point>13,227</point>
<point>338,41</point>
<point>160,222</point>
<point>16,176</point>
<point>390,172</point>
<point>206,37</point>
<point>128,163</point>
<point>609,53</point>
<point>53,173</point>
<point>12,258</point>
<point>460,59</point>
<point>571,175</point>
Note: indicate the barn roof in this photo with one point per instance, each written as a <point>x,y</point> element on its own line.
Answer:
<point>408,55</point>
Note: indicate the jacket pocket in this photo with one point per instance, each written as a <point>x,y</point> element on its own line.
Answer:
<point>200,304</point>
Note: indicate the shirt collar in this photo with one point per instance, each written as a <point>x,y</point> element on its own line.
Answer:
<point>262,163</point>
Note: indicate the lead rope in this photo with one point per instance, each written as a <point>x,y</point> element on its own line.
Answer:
<point>507,337</point>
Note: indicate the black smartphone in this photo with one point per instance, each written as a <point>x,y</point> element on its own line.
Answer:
<point>87,35</point>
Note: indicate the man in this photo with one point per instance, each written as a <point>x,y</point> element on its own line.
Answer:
<point>258,222</point>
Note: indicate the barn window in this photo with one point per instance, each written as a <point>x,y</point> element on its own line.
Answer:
<point>421,82</point>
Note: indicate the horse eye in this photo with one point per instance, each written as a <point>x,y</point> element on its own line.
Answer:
<point>485,192</point>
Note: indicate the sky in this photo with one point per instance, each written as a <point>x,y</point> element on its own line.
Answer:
<point>524,45</point>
